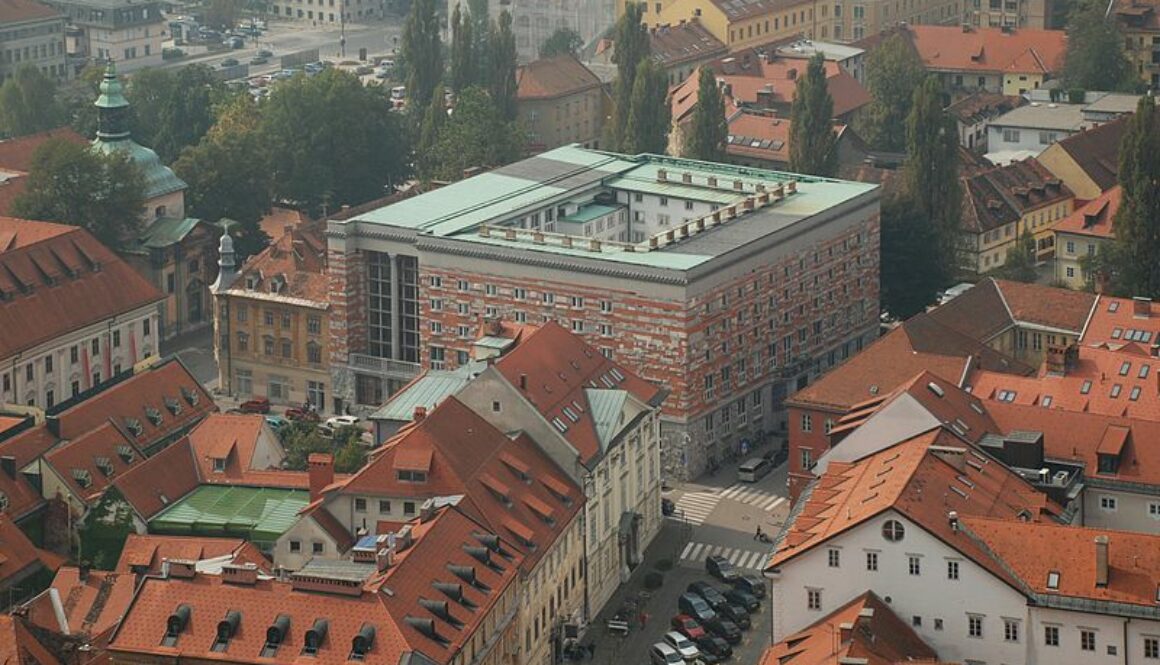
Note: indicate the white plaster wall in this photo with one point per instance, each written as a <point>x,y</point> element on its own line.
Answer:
<point>1131,512</point>
<point>306,531</point>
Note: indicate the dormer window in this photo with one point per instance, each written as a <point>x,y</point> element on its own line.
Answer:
<point>219,464</point>
<point>105,465</point>
<point>191,397</point>
<point>126,453</point>
<point>83,478</point>
<point>153,415</point>
<point>1053,580</point>
<point>362,642</point>
<point>134,426</point>
<point>175,625</point>
<point>409,476</point>
<point>251,282</point>
<point>173,406</point>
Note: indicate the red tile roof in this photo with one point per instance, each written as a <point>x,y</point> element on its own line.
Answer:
<point>994,305</point>
<point>689,41</point>
<point>60,281</point>
<point>1021,51</point>
<point>555,367</point>
<point>143,553</point>
<point>89,463</point>
<point>981,106</point>
<point>18,556</point>
<point>161,480</point>
<point>877,637</point>
<point>745,129</point>
<point>903,478</point>
<point>92,607</point>
<point>1033,551</point>
<point>18,646</point>
<point>1094,218</point>
<point>549,78</point>
<point>236,438</point>
<point>1002,195</point>
<point>16,154</point>
<point>467,458</point>
<point>296,260</point>
<point>1114,323</point>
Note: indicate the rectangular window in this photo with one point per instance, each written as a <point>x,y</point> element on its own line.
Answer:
<point>360,505</point>
<point>835,558</point>
<point>316,547</point>
<point>872,561</point>
<point>48,364</point>
<point>1087,640</point>
<point>73,352</point>
<point>1108,503</point>
<point>116,339</point>
<point>807,422</point>
<point>314,325</point>
<point>974,626</point>
<point>96,347</point>
<point>952,570</point>
<point>1051,636</point>
<point>285,319</point>
<point>1010,630</point>
<point>814,599</point>
<point>384,506</point>
<point>914,565</point>
<point>1152,647</point>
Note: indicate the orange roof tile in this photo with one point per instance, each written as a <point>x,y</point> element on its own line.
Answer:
<point>1021,51</point>
<point>878,637</point>
<point>994,305</point>
<point>93,607</point>
<point>18,556</point>
<point>236,438</point>
<point>16,154</point>
<point>414,459</point>
<point>18,646</point>
<point>689,41</point>
<point>89,463</point>
<point>1096,151</point>
<point>745,129</point>
<point>554,77</point>
<point>143,553</point>
<point>294,263</point>
<point>162,479</point>
<point>60,281</point>
<point>1002,195</point>
<point>1114,322</point>
<point>1094,218</point>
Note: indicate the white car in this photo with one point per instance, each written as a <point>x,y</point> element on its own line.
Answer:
<point>341,421</point>
<point>682,645</point>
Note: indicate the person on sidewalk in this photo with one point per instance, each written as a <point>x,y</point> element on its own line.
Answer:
<point>757,536</point>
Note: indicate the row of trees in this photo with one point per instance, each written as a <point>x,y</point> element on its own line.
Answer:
<point>641,114</point>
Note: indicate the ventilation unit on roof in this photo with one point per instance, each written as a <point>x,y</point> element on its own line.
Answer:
<point>491,541</point>
<point>191,397</point>
<point>153,415</point>
<point>441,609</point>
<point>454,592</point>
<point>172,405</point>
<point>226,629</point>
<point>467,574</point>
<point>134,426</point>
<point>175,624</point>
<point>104,465</point>
<point>480,554</point>
<point>83,478</point>
<point>315,637</point>
<point>361,644</point>
<point>125,452</point>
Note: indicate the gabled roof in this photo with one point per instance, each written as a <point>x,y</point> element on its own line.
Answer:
<point>89,463</point>
<point>1096,151</point>
<point>18,11</point>
<point>145,552</point>
<point>549,78</point>
<point>60,280</point>
<point>18,646</point>
<point>1005,194</point>
<point>161,480</point>
<point>18,556</point>
<point>678,44</point>
<point>982,106</point>
<point>1114,322</point>
<point>992,306</point>
<point>93,606</point>
<point>876,636</point>
<point>291,269</point>
<point>923,478</point>
<point>552,368</point>
<point>997,50</point>
<point>236,439</point>
<point>1094,218</point>
<point>16,154</point>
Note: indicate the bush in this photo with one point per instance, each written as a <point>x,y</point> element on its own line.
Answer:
<point>663,564</point>
<point>172,54</point>
<point>654,580</point>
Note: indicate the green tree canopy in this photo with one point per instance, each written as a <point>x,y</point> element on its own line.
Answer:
<point>1134,266</point>
<point>502,49</point>
<point>332,141</point>
<point>709,129</point>
<point>464,66</point>
<point>893,72</point>
<point>475,135</point>
<point>426,151</point>
<point>907,260</point>
<point>28,103</point>
<point>301,439</point>
<point>564,41</point>
<point>71,184</point>
<point>1019,264</point>
<point>173,108</point>
<point>932,171</point>
<point>631,45</point>
<point>813,145</point>
<point>1095,58</point>
<point>229,175</point>
<point>422,53</point>
<point>649,115</point>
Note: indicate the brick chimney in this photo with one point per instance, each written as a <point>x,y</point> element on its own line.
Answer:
<point>1141,307</point>
<point>1101,561</point>
<point>419,414</point>
<point>321,469</point>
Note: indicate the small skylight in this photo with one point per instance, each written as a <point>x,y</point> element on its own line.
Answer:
<point>935,388</point>
<point>1006,395</point>
<point>1116,332</point>
<point>1143,371</point>
<point>559,425</point>
<point>571,414</point>
<point>1086,387</point>
<point>977,408</point>
<point>1116,388</point>
<point>1046,401</point>
<point>958,491</point>
<point>616,374</point>
<point>1053,579</point>
<point>1113,305</point>
<point>1135,394</point>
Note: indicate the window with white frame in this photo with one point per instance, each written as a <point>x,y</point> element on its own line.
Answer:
<point>1154,510</point>
<point>872,561</point>
<point>1087,640</point>
<point>914,565</point>
<point>807,422</point>
<point>490,289</point>
<point>1108,503</point>
<point>974,625</point>
<point>814,599</point>
<point>1010,630</point>
<point>1051,636</point>
<point>1152,647</point>
<point>952,570</point>
<point>835,557</point>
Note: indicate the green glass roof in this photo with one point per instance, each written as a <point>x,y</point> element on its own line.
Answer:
<point>428,391</point>
<point>166,231</point>
<point>607,405</point>
<point>258,514</point>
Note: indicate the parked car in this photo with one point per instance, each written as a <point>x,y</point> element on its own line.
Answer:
<point>709,593</point>
<point>230,62</point>
<point>696,607</point>
<point>725,629</point>
<point>668,507</point>
<point>295,413</point>
<point>663,654</point>
<point>234,42</point>
<point>256,405</point>
<point>711,645</point>
<point>682,645</point>
<point>719,567</point>
<point>742,598</point>
<point>265,53</point>
<point>751,584</point>
<point>687,626</point>
<point>382,73</point>
<point>341,421</point>
<point>736,614</point>
<point>258,60</point>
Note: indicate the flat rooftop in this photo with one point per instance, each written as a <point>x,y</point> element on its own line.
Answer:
<point>829,50</point>
<point>1063,117</point>
<point>259,514</point>
<point>471,210</point>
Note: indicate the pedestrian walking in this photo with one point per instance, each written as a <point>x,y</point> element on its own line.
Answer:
<point>757,536</point>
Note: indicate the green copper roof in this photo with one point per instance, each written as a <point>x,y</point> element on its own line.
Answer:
<point>427,391</point>
<point>112,96</point>
<point>166,231</point>
<point>159,179</point>
<point>257,514</point>
<point>590,212</point>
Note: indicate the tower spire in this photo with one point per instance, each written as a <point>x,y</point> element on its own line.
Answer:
<point>112,107</point>
<point>227,268</point>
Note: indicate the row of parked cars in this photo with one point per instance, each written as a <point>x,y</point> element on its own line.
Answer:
<point>711,618</point>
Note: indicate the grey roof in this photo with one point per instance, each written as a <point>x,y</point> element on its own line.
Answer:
<point>606,405</point>
<point>829,50</point>
<point>1114,102</point>
<point>901,419</point>
<point>337,569</point>
<point>1061,117</point>
<point>427,391</point>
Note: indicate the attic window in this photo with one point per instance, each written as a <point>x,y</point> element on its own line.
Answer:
<point>1143,371</point>
<point>134,426</point>
<point>173,406</point>
<point>935,388</point>
<point>607,381</point>
<point>175,624</point>
<point>1113,306</point>
<point>977,408</point>
<point>407,475</point>
<point>1116,388</point>
<point>219,464</point>
<point>958,491</point>
<point>315,637</point>
<point>616,374</point>
<point>1086,387</point>
<point>191,397</point>
<point>126,453</point>
<point>251,282</point>
<point>559,425</point>
<point>965,481</point>
<point>105,465</point>
<point>1053,579</point>
<point>226,629</point>
<point>1046,402</point>
<point>577,407</point>
<point>1006,395</point>
<point>1116,332</point>
<point>962,425</point>
<point>363,641</point>
<point>3,502</point>
<point>571,414</point>
<point>1135,394</point>
<point>1125,367</point>
<point>83,478</point>
<point>153,415</point>
<point>276,635</point>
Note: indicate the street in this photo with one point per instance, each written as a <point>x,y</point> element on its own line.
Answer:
<point>715,515</point>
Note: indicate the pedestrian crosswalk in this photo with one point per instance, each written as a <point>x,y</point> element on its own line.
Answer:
<point>753,496</point>
<point>744,559</point>
<point>695,507</point>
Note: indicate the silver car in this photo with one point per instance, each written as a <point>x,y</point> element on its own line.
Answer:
<point>682,645</point>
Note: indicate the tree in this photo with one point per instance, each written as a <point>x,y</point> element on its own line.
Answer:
<point>28,103</point>
<point>78,100</point>
<point>1134,268</point>
<point>1095,58</point>
<point>464,66</point>
<point>301,439</point>
<point>502,51</point>
<point>893,72</point>
<point>907,260</point>
<point>173,108</point>
<point>475,135</point>
<point>932,171</point>
<point>222,14</point>
<point>813,145</point>
<point>229,175</point>
<point>317,128</point>
<point>426,154</point>
<point>1019,264</point>
<point>564,41</point>
<point>71,184</point>
<point>422,52</point>
<point>648,118</point>
<point>709,129</point>
<point>631,45</point>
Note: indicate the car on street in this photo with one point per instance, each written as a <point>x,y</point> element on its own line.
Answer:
<point>256,405</point>
<point>696,607</point>
<point>258,60</point>
<point>736,614</point>
<point>265,53</point>
<point>363,70</point>
<point>234,42</point>
<point>230,62</point>
<point>709,592</point>
<point>743,599</point>
<point>277,423</point>
<point>714,646</point>
<point>341,421</point>
<point>663,654</point>
<point>750,583</point>
<point>687,626</point>
<point>682,644</point>
<point>725,629</point>
<point>719,567</point>
<point>382,73</point>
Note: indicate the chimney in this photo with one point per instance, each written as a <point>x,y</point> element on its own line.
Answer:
<point>385,558</point>
<point>8,466</point>
<point>953,519</point>
<point>712,181</point>
<point>245,574</point>
<point>83,572</point>
<point>687,178</point>
<point>662,175</point>
<point>419,414</point>
<point>181,568</point>
<point>427,511</point>
<point>523,381</point>
<point>1056,360</point>
<point>321,469</point>
<point>1141,307</point>
<point>738,185</point>
<point>1101,561</point>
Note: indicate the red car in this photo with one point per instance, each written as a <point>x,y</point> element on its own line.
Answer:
<point>688,626</point>
<point>294,413</point>
<point>256,405</point>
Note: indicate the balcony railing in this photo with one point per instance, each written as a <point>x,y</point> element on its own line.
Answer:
<point>386,367</point>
